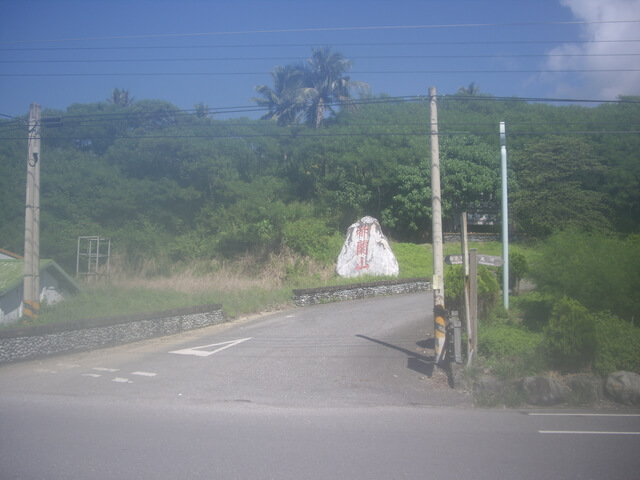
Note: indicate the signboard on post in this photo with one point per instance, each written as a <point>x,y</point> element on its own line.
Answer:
<point>471,292</point>
<point>488,260</point>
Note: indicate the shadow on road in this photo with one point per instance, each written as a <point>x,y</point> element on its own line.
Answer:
<point>420,363</point>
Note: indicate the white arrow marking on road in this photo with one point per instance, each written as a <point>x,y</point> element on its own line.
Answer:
<point>198,352</point>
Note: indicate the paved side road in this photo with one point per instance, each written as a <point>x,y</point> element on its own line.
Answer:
<point>343,390</point>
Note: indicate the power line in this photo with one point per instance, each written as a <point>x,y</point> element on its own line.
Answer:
<point>311,45</point>
<point>328,29</point>
<point>365,57</point>
<point>377,72</point>
<point>80,120</point>
<point>296,135</point>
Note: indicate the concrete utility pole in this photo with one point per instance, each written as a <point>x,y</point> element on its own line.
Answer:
<point>31,304</point>
<point>505,217</point>
<point>439,313</point>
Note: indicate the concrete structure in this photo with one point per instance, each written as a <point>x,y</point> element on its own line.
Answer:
<point>55,285</point>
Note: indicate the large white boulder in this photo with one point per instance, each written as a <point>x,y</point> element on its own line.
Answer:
<point>366,251</point>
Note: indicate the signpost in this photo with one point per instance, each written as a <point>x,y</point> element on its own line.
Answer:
<point>473,260</point>
<point>488,260</point>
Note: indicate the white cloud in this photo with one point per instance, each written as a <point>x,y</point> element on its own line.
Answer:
<point>604,54</point>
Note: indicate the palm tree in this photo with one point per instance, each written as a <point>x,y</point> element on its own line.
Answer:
<point>472,89</point>
<point>325,84</point>
<point>284,101</point>
<point>309,89</point>
<point>120,97</point>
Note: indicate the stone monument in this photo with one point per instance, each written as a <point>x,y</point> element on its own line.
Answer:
<point>366,251</point>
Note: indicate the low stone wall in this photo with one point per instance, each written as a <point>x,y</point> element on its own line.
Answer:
<point>313,296</point>
<point>38,341</point>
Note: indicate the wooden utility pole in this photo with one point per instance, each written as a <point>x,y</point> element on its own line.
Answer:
<point>31,304</point>
<point>467,292</point>
<point>439,312</point>
<point>473,297</point>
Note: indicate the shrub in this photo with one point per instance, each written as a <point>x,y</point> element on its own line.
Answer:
<point>312,237</point>
<point>536,309</point>
<point>507,340</point>
<point>601,272</point>
<point>618,345</point>
<point>511,351</point>
<point>570,335</point>
<point>488,290</point>
<point>518,268</point>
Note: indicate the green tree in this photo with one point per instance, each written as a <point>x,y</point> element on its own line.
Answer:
<point>120,97</point>
<point>472,89</point>
<point>311,89</point>
<point>559,179</point>
<point>326,84</point>
<point>285,100</point>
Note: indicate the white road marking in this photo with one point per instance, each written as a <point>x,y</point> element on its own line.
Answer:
<point>121,380</point>
<point>102,369</point>
<point>584,414</point>
<point>583,432</point>
<point>199,352</point>
<point>93,375</point>
<point>144,374</point>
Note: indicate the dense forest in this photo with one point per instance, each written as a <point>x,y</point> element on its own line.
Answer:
<point>181,185</point>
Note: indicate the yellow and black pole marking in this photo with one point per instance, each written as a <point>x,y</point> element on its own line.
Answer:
<point>31,309</point>
<point>440,331</point>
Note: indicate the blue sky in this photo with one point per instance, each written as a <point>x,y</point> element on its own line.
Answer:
<point>60,52</point>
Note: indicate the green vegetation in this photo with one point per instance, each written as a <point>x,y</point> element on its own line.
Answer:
<point>581,318</point>
<point>601,271</point>
<point>241,211</point>
<point>570,335</point>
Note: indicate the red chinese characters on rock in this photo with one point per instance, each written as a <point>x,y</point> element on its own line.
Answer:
<point>362,246</point>
<point>366,251</point>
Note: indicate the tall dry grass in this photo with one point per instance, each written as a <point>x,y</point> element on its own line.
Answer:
<point>245,273</point>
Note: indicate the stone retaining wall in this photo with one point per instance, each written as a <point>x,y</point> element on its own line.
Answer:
<point>312,296</point>
<point>38,341</point>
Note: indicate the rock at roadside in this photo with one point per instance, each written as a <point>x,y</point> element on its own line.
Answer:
<point>624,387</point>
<point>585,389</point>
<point>489,389</point>
<point>544,391</point>
<point>366,251</point>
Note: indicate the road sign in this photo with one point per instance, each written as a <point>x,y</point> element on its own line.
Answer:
<point>488,260</point>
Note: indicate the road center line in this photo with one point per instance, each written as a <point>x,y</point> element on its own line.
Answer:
<point>584,414</point>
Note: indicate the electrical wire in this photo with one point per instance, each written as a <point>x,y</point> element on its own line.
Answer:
<point>368,57</point>
<point>332,44</point>
<point>328,29</point>
<point>377,72</point>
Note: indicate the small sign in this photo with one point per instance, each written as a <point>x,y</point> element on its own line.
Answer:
<point>488,260</point>
<point>453,259</point>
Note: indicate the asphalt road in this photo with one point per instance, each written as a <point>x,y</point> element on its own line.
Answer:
<point>337,391</point>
